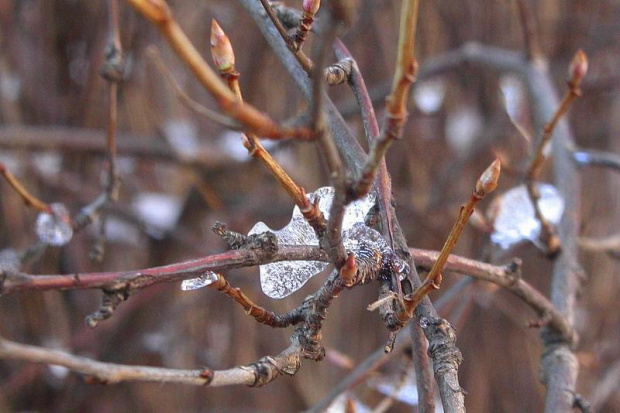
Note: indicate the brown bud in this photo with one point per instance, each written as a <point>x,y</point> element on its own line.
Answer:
<point>578,67</point>
<point>311,6</point>
<point>488,180</point>
<point>221,49</point>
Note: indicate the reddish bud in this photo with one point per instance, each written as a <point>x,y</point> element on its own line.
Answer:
<point>311,6</point>
<point>349,270</point>
<point>578,67</point>
<point>488,180</point>
<point>221,49</point>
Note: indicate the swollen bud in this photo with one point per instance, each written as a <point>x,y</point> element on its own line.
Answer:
<point>311,6</point>
<point>578,67</point>
<point>349,270</point>
<point>221,49</point>
<point>488,180</point>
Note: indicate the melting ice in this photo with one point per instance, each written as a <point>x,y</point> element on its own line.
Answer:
<point>280,279</point>
<point>516,220</point>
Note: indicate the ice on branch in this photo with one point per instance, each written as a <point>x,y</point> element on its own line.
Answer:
<point>515,219</point>
<point>280,279</point>
<point>204,280</point>
<point>429,95</point>
<point>54,228</point>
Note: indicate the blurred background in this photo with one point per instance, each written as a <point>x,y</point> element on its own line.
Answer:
<point>181,173</point>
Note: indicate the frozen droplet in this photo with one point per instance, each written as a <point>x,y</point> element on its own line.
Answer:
<point>424,322</point>
<point>207,278</point>
<point>182,136</point>
<point>280,279</point>
<point>48,163</point>
<point>55,228</point>
<point>60,372</point>
<point>160,211</point>
<point>513,93</point>
<point>462,127</point>
<point>429,95</point>
<point>10,86</point>
<point>230,142</point>
<point>515,219</point>
<point>9,260</point>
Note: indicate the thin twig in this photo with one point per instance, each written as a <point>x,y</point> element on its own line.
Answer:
<point>29,199</point>
<point>594,158</point>
<point>153,53</point>
<point>485,184</point>
<point>224,57</point>
<point>301,57</point>
<point>158,13</point>
<point>548,234</point>
<point>14,282</point>
<point>97,372</point>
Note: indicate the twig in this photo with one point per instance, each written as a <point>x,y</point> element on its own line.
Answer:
<point>224,58</point>
<point>112,71</point>
<point>92,142</point>
<point>310,8</point>
<point>530,32</point>
<point>485,184</point>
<point>258,313</point>
<point>255,374</point>
<point>609,245</point>
<point>301,57</point>
<point>29,199</point>
<point>396,103</point>
<point>153,53</point>
<point>601,159</point>
<point>577,70</point>
<point>332,239</point>
<point>14,282</point>
<point>508,277</point>
<point>158,13</point>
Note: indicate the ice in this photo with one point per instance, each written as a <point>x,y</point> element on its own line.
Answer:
<point>157,209</point>
<point>512,89</point>
<point>515,220</point>
<point>280,279</point>
<point>341,404</point>
<point>462,128</point>
<point>55,228</point>
<point>182,135</point>
<point>207,278</point>
<point>9,260</point>
<point>429,94</point>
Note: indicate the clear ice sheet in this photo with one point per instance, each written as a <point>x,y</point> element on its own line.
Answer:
<point>204,280</point>
<point>280,279</point>
<point>516,220</point>
<point>55,228</point>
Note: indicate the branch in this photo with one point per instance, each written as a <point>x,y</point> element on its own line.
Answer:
<point>160,15</point>
<point>507,276</point>
<point>254,375</point>
<point>601,159</point>
<point>92,142</point>
<point>11,282</point>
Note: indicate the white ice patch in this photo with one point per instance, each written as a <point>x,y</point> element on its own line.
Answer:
<point>280,279</point>
<point>516,220</point>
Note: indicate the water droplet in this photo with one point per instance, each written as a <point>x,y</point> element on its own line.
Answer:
<point>207,278</point>
<point>515,220</point>
<point>55,228</point>
<point>424,322</point>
